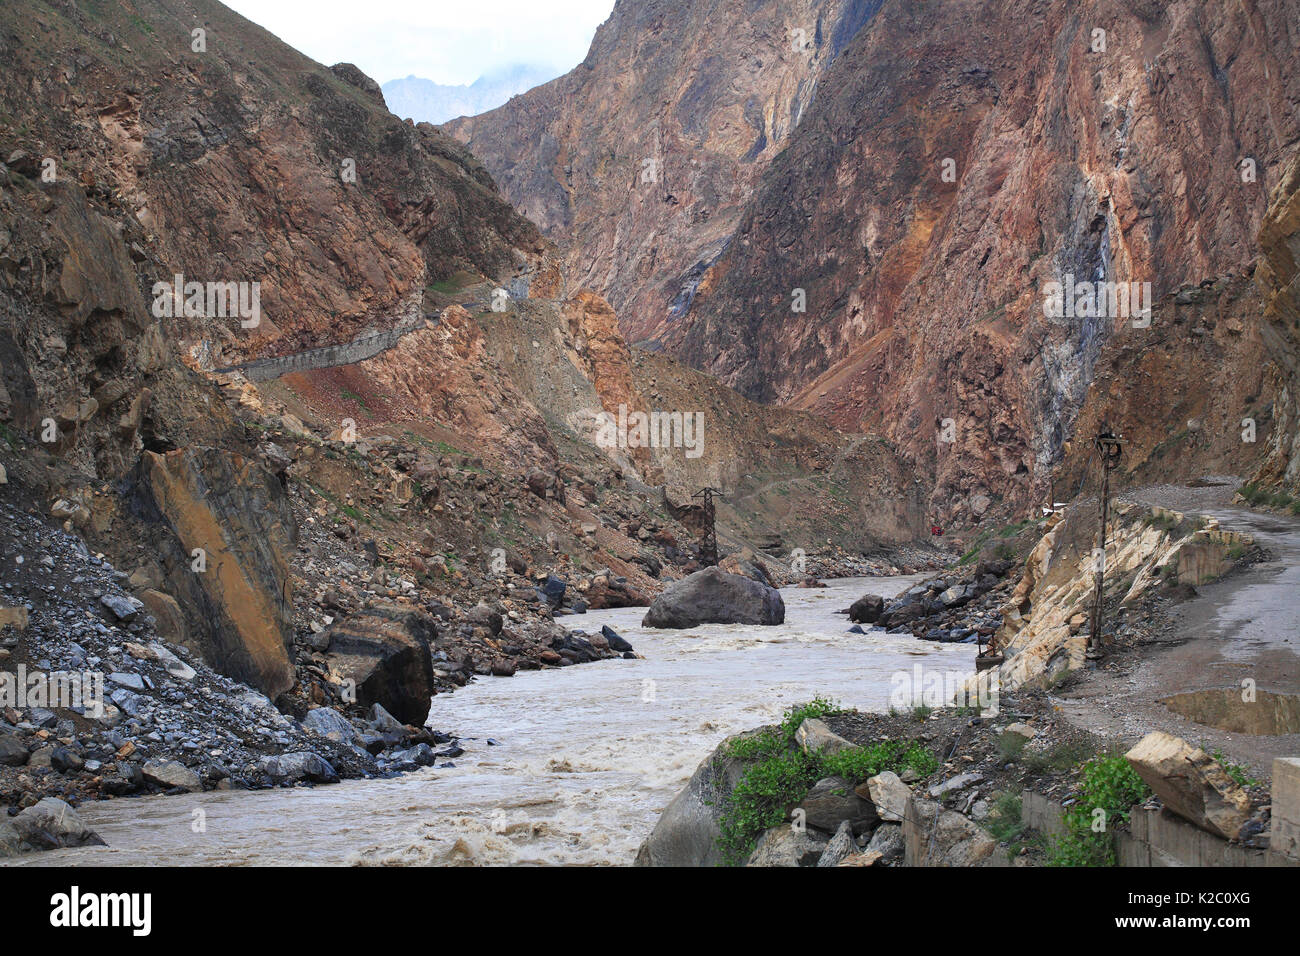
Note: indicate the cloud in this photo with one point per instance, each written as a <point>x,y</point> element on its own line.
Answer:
<point>447,41</point>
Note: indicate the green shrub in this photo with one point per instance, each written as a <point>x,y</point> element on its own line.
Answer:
<point>1061,757</point>
<point>1006,824</point>
<point>1108,784</point>
<point>858,764</point>
<point>782,774</point>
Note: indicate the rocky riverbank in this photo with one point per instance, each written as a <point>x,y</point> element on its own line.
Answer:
<point>383,624</point>
<point>937,788</point>
<point>1007,769</point>
<point>95,704</point>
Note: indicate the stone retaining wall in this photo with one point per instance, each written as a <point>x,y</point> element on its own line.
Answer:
<point>329,356</point>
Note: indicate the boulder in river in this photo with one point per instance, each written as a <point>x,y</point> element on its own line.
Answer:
<point>292,767</point>
<point>48,825</point>
<point>713,596</point>
<point>867,609</point>
<point>615,640</point>
<point>385,650</point>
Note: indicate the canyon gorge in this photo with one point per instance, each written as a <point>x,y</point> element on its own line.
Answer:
<point>306,417</point>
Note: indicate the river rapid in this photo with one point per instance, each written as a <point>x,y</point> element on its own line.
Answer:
<point>584,758</point>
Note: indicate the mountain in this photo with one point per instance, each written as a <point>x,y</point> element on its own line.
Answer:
<point>640,161</point>
<point>428,102</point>
<point>869,229</point>
<point>253,351</point>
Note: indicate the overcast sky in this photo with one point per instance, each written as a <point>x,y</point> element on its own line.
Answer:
<point>447,41</point>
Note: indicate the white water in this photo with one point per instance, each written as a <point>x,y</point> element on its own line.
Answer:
<point>588,755</point>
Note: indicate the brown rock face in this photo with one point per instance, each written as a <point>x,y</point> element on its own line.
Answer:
<point>1278,276</point>
<point>890,268</point>
<point>640,161</point>
<point>224,533</point>
<point>138,158</point>
<point>926,296</point>
<point>203,153</point>
<point>446,376</point>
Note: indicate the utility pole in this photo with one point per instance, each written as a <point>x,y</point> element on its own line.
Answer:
<point>708,536</point>
<point>1110,448</point>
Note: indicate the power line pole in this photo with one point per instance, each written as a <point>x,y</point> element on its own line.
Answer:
<point>708,536</point>
<point>1110,448</point>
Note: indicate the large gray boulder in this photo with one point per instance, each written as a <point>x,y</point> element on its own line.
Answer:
<point>713,596</point>
<point>687,831</point>
<point>831,801</point>
<point>840,848</point>
<point>785,845</point>
<point>330,724</point>
<point>867,609</point>
<point>172,773</point>
<point>889,794</point>
<point>813,736</point>
<point>48,825</point>
<point>888,842</point>
<point>384,650</point>
<point>933,836</point>
<point>13,753</point>
<point>302,765</point>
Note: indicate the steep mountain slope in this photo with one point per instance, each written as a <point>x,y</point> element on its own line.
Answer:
<point>640,161</point>
<point>889,269</point>
<point>207,139</point>
<point>1279,280</point>
<point>1148,161</point>
<point>149,141</point>
<point>248,515</point>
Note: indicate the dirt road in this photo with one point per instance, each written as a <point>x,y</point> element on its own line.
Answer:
<point>1246,626</point>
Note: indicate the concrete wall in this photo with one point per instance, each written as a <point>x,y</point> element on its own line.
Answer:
<point>1159,838</point>
<point>1042,814</point>
<point>1284,838</point>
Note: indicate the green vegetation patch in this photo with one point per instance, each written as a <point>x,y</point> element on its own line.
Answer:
<point>782,774</point>
<point>1004,550</point>
<point>1108,790</point>
<point>1255,495</point>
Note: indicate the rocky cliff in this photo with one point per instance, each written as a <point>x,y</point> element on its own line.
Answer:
<point>1279,280</point>
<point>641,160</point>
<point>889,265</point>
<point>182,189</point>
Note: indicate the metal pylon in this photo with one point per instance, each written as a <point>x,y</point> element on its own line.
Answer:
<point>708,536</point>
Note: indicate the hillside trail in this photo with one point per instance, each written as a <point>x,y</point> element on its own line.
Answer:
<point>1244,626</point>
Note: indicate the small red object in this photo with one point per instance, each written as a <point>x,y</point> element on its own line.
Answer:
<point>936,530</point>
